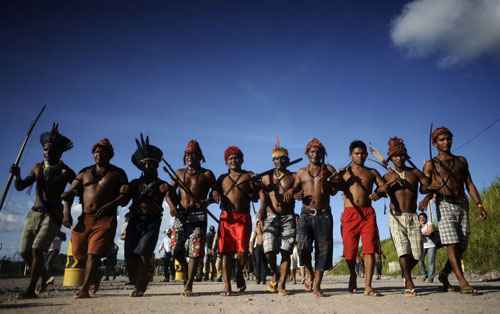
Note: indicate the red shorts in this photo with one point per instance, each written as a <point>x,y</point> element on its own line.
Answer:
<point>234,232</point>
<point>354,226</point>
<point>93,236</point>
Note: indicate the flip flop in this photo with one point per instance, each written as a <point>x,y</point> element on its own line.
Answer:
<point>410,293</point>
<point>283,292</point>
<point>227,294</point>
<point>318,294</point>
<point>447,287</point>
<point>372,293</point>
<point>308,285</point>
<point>469,290</point>
<point>272,287</point>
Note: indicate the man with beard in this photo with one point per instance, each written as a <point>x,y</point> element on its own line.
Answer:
<point>315,183</point>
<point>402,188</point>
<point>276,214</point>
<point>234,191</point>
<point>48,212</point>
<point>189,210</point>
<point>358,219</point>
<point>449,174</point>
<point>145,214</point>
<point>101,188</point>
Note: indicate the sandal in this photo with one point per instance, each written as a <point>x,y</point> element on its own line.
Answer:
<point>353,286</point>
<point>308,285</point>
<point>227,293</point>
<point>272,287</point>
<point>410,293</point>
<point>469,290</point>
<point>283,292</point>
<point>372,293</point>
<point>447,287</point>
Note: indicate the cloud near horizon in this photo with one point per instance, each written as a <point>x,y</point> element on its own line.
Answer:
<point>457,31</point>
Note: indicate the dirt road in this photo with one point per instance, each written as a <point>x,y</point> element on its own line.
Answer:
<point>165,298</point>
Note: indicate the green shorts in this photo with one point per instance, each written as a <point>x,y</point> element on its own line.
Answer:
<point>39,231</point>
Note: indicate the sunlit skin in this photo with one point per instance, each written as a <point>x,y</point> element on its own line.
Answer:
<point>276,197</point>
<point>35,257</point>
<point>237,199</point>
<point>200,182</point>
<point>358,192</point>
<point>449,175</point>
<point>101,197</point>
<point>315,188</point>
<point>403,195</point>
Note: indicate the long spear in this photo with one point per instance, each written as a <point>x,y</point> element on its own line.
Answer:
<point>20,154</point>
<point>171,172</point>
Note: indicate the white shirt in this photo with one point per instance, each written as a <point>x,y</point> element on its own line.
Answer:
<point>165,245</point>
<point>427,240</point>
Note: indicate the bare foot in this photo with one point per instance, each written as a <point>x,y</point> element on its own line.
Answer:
<point>318,294</point>
<point>28,294</point>
<point>82,295</point>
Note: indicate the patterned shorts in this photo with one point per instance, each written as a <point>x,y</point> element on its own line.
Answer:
<point>453,222</point>
<point>406,235</point>
<point>279,233</point>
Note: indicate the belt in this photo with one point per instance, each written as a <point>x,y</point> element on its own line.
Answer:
<point>449,199</point>
<point>314,211</point>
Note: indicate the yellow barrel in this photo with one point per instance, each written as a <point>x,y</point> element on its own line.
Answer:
<point>179,274</point>
<point>73,275</point>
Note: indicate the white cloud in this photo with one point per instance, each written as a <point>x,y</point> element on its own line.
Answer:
<point>456,31</point>
<point>11,221</point>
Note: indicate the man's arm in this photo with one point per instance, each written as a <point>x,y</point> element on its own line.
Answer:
<point>121,200</point>
<point>472,190</point>
<point>19,183</point>
<point>382,187</point>
<point>67,219</point>
<point>262,201</point>
<point>427,172</point>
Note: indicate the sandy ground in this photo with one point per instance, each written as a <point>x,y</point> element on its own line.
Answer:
<point>165,298</point>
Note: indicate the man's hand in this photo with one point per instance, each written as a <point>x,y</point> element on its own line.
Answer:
<point>67,221</point>
<point>216,197</point>
<point>374,196</point>
<point>101,211</point>
<point>15,170</point>
<point>173,212</point>
<point>288,196</point>
<point>483,214</point>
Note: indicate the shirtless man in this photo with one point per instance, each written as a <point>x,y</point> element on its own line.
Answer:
<point>234,191</point>
<point>315,184</point>
<point>449,174</point>
<point>276,214</point>
<point>101,188</point>
<point>190,212</point>
<point>402,188</point>
<point>145,214</point>
<point>358,218</point>
<point>48,213</point>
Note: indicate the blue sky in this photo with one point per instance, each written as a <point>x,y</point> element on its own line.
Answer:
<point>243,73</point>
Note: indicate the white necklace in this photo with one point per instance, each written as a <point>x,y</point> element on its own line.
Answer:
<point>401,174</point>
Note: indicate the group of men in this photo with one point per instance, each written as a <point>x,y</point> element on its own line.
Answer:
<point>103,187</point>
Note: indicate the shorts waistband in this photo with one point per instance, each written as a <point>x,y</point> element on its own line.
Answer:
<point>314,211</point>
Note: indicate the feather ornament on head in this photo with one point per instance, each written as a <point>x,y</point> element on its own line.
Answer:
<point>145,151</point>
<point>60,142</point>
<point>278,150</point>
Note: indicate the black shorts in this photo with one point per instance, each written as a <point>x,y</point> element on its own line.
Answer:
<point>316,231</point>
<point>141,236</point>
<point>183,232</point>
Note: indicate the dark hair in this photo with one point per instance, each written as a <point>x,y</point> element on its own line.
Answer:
<point>423,214</point>
<point>357,144</point>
